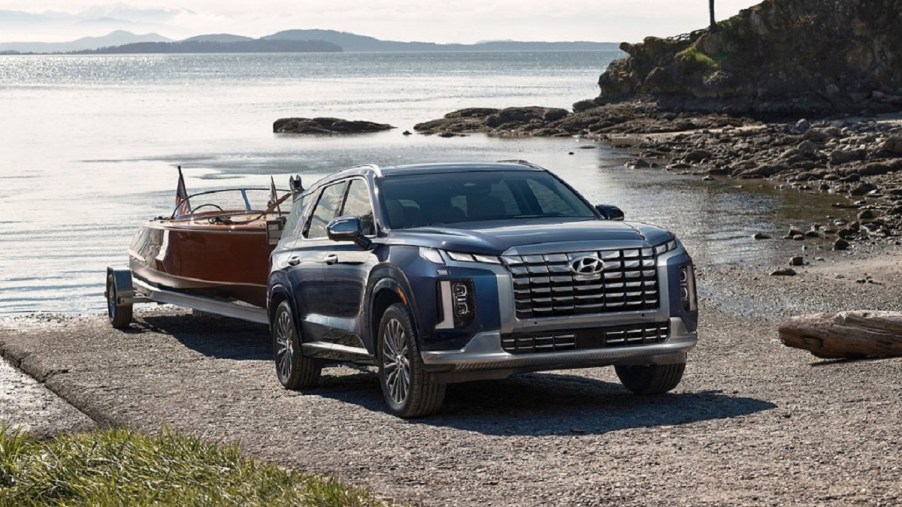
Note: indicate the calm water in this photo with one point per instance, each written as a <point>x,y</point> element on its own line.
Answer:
<point>89,145</point>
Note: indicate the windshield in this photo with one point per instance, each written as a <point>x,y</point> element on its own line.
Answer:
<point>235,201</point>
<point>448,198</point>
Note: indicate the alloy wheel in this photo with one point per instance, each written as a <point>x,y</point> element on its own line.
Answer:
<point>284,344</point>
<point>395,362</point>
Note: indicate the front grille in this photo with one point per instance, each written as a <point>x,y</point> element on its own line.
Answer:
<point>545,285</point>
<point>595,338</point>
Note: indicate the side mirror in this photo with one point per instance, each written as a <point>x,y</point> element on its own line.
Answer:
<point>347,229</point>
<point>609,211</point>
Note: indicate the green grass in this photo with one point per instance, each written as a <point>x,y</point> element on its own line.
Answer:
<point>119,467</point>
<point>697,59</point>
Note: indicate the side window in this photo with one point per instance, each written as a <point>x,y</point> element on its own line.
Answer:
<point>324,212</point>
<point>357,204</point>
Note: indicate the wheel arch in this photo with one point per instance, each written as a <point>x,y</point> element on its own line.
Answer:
<point>276,295</point>
<point>385,293</point>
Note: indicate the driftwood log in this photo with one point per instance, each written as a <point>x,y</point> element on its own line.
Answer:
<point>845,334</point>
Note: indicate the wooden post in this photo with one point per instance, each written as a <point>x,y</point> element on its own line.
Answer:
<point>858,333</point>
<point>713,26</point>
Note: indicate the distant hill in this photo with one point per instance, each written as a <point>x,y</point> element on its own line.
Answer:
<point>116,38</point>
<point>361,43</point>
<point>240,46</point>
<point>289,41</point>
<point>217,37</point>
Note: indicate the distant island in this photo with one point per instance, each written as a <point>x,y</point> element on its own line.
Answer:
<point>207,46</point>
<point>288,41</point>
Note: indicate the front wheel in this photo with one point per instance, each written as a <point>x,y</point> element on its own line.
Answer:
<point>293,369</point>
<point>408,389</point>
<point>651,378</point>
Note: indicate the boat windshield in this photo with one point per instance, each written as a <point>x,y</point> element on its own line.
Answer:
<point>424,199</point>
<point>236,201</point>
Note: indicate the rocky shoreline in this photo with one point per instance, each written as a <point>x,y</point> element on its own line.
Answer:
<point>858,160</point>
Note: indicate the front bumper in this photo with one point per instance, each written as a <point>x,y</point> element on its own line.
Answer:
<point>484,358</point>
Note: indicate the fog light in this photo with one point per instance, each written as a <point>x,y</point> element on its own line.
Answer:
<point>688,296</point>
<point>456,304</point>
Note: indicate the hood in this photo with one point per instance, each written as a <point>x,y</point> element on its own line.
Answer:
<point>495,238</point>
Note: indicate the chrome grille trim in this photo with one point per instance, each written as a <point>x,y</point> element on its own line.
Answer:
<point>545,286</point>
<point>587,339</point>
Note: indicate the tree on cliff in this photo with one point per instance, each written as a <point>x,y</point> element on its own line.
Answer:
<point>713,26</point>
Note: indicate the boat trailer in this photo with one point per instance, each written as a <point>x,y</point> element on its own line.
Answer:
<point>123,291</point>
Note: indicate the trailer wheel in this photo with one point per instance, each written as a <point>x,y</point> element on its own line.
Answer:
<point>120,314</point>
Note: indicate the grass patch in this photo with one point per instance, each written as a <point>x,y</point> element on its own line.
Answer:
<point>696,59</point>
<point>119,467</point>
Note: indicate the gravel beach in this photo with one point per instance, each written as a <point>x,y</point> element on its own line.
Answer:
<point>752,423</point>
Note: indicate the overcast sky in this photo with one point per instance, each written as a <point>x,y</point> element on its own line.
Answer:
<point>463,21</point>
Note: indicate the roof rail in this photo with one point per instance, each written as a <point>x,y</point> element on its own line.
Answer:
<point>376,169</point>
<point>522,162</point>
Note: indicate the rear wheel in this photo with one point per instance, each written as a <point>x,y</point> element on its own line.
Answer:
<point>293,369</point>
<point>408,389</point>
<point>651,378</point>
<point>120,314</point>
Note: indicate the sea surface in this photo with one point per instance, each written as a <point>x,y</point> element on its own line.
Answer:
<point>89,146</point>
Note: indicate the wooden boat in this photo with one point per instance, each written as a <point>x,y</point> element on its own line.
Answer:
<point>214,244</point>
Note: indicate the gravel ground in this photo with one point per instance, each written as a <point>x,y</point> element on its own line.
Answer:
<point>752,423</point>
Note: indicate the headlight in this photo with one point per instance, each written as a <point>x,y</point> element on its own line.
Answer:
<point>688,297</point>
<point>432,255</point>
<point>456,304</point>
<point>465,257</point>
<point>666,247</point>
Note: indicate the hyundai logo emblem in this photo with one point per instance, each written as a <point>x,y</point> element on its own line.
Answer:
<point>587,267</point>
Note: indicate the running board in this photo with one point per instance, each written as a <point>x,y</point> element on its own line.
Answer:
<point>336,348</point>
<point>204,304</point>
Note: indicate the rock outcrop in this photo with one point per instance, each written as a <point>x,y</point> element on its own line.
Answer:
<point>326,126</point>
<point>537,121</point>
<point>776,59</point>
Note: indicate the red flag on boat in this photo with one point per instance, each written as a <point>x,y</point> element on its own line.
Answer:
<point>182,206</point>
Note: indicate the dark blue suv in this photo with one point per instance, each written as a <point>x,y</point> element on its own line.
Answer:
<point>440,273</point>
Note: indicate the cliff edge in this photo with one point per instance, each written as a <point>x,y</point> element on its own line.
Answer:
<point>778,58</point>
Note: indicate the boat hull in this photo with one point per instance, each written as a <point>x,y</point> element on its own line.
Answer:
<point>203,257</point>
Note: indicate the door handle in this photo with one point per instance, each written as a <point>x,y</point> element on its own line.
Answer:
<point>330,259</point>
<point>294,260</point>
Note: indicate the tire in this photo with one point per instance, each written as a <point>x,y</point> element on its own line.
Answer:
<point>293,369</point>
<point>120,315</point>
<point>650,379</point>
<point>409,390</point>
